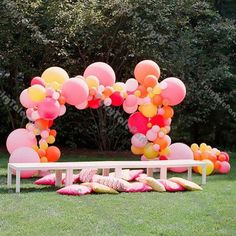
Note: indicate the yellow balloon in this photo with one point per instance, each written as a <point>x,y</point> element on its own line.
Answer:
<point>55,85</point>
<point>50,139</point>
<point>203,147</point>
<point>43,145</point>
<point>119,86</point>
<point>149,152</point>
<point>148,110</point>
<point>92,81</point>
<point>55,74</point>
<point>136,150</point>
<point>37,93</point>
<point>165,152</point>
<point>194,147</point>
<point>156,90</point>
<point>209,167</point>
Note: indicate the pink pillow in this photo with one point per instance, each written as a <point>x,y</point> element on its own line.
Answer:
<point>75,189</point>
<point>112,182</point>
<point>86,175</point>
<point>51,179</point>
<point>171,186</point>
<point>138,187</point>
<point>128,175</point>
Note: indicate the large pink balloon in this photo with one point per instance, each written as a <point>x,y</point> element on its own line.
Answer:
<point>25,99</point>
<point>75,91</point>
<point>180,151</point>
<point>49,109</point>
<point>175,91</point>
<point>20,138</point>
<point>25,155</point>
<point>103,72</point>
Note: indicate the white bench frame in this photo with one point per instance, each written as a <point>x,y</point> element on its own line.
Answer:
<point>69,167</point>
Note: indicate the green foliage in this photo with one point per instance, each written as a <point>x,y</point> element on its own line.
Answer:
<point>188,39</point>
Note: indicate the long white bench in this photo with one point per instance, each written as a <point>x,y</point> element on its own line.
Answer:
<point>69,167</point>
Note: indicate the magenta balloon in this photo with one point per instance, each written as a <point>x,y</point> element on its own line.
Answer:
<point>25,155</point>
<point>25,100</point>
<point>20,138</point>
<point>175,91</point>
<point>75,91</point>
<point>180,151</point>
<point>137,123</point>
<point>103,72</point>
<point>224,167</point>
<point>37,80</point>
<point>49,109</point>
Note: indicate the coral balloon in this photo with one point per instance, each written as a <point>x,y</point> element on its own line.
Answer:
<point>150,81</point>
<point>157,100</point>
<point>168,112</point>
<point>20,138</point>
<point>53,154</point>
<point>25,155</point>
<point>137,123</point>
<point>43,124</point>
<point>75,91</point>
<point>180,151</point>
<point>175,91</point>
<point>145,68</point>
<point>37,80</point>
<point>103,72</point>
<point>55,74</point>
<point>49,109</point>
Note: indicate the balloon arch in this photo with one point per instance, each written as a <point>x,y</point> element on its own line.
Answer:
<point>147,100</point>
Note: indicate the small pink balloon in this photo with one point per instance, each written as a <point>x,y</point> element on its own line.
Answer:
<point>175,91</point>
<point>143,158</point>
<point>29,112</point>
<point>131,85</point>
<point>168,139</point>
<point>139,140</point>
<point>20,138</point>
<point>75,91</point>
<point>49,92</point>
<point>35,115</point>
<point>25,99</point>
<point>25,155</point>
<point>82,105</point>
<point>151,135</point>
<point>142,101</point>
<point>224,167</point>
<point>37,80</point>
<point>103,72</point>
<point>130,110</point>
<point>131,101</point>
<point>107,101</point>
<point>180,151</point>
<point>156,147</point>
<point>49,109</point>
<point>44,134</point>
<point>155,128</point>
<point>62,110</point>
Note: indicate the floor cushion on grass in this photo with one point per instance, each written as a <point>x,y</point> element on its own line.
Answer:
<point>128,175</point>
<point>138,187</point>
<point>171,186</point>
<point>153,183</point>
<point>189,185</point>
<point>100,188</point>
<point>112,182</point>
<point>75,189</point>
<point>86,175</point>
<point>51,179</point>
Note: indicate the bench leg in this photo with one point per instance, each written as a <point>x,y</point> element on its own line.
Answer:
<point>17,181</point>
<point>9,177</point>
<point>69,177</point>
<point>105,172</point>
<point>118,172</point>
<point>149,172</point>
<point>58,178</point>
<point>204,174</point>
<point>189,173</point>
<point>163,173</point>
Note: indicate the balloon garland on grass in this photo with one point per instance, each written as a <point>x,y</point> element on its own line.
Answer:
<point>148,100</point>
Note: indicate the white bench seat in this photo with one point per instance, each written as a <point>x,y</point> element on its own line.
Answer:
<point>69,167</point>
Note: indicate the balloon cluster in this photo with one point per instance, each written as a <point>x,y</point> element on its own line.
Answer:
<point>216,160</point>
<point>147,100</point>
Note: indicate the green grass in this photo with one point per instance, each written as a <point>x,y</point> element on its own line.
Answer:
<point>40,211</point>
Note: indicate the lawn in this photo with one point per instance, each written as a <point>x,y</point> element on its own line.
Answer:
<point>40,211</point>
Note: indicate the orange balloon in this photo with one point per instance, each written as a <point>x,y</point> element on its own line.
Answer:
<point>53,153</point>
<point>195,169</point>
<point>162,142</point>
<point>145,68</point>
<point>143,91</point>
<point>197,155</point>
<point>43,124</point>
<point>62,100</point>
<point>212,157</point>
<point>217,165</point>
<point>157,100</point>
<point>137,150</point>
<point>53,132</point>
<point>221,157</point>
<point>150,81</point>
<point>168,112</point>
<point>42,153</point>
<point>205,155</point>
<point>107,92</point>
<point>44,159</point>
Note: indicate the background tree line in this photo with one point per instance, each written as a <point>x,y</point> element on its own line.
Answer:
<point>190,39</point>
